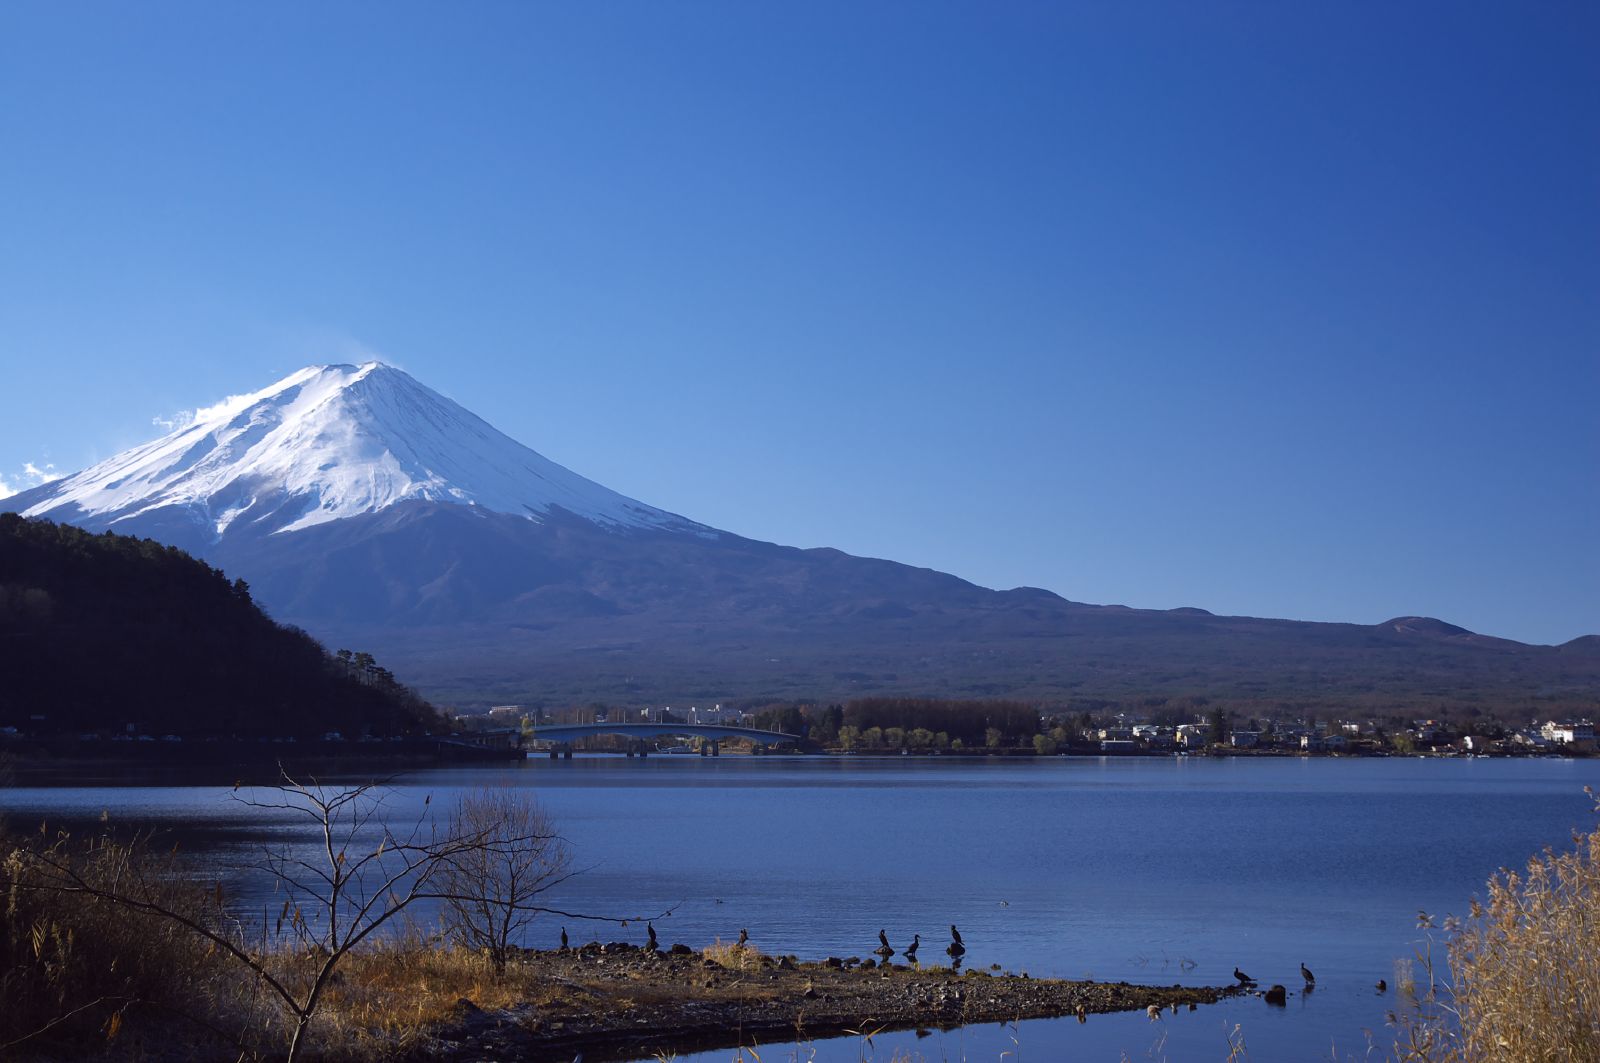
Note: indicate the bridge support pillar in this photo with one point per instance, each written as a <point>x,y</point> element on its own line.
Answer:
<point>566,751</point>
<point>716,748</point>
<point>644,749</point>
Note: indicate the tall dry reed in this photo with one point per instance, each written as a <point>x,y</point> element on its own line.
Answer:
<point>1523,979</point>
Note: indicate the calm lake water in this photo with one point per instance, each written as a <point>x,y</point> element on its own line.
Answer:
<point>1144,870</point>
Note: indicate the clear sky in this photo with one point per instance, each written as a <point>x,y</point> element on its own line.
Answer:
<point>1279,309</point>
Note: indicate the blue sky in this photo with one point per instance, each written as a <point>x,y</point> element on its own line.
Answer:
<point>1278,309</point>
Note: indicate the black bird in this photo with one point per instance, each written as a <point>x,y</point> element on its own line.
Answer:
<point>1305,973</point>
<point>563,939</point>
<point>1243,978</point>
<point>956,950</point>
<point>650,928</point>
<point>744,936</point>
<point>956,934</point>
<point>1383,986</point>
<point>883,950</point>
<point>911,949</point>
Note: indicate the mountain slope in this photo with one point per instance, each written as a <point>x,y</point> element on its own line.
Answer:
<point>324,444</point>
<point>488,607</point>
<point>374,512</point>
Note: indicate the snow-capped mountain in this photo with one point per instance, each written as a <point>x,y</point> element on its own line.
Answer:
<point>324,444</point>
<point>377,514</point>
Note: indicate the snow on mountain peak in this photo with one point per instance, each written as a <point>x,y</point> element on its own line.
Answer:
<point>329,442</point>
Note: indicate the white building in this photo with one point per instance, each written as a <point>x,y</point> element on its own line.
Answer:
<point>1567,733</point>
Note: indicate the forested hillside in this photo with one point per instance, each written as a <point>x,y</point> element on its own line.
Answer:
<point>101,631</point>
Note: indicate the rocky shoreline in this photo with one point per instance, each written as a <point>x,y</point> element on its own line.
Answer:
<point>619,1001</point>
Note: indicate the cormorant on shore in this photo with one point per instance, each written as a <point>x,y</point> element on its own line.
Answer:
<point>911,949</point>
<point>563,939</point>
<point>956,935</point>
<point>1243,978</point>
<point>650,928</point>
<point>956,949</point>
<point>744,936</point>
<point>1305,973</point>
<point>883,950</point>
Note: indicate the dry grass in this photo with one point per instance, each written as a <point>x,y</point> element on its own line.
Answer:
<point>733,957</point>
<point>82,977</point>
<point>386,997</point>
<point>76,970</point>
<point>1524,968</point>
<point>389,996</point>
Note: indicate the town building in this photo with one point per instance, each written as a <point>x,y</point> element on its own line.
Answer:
<point>1570,732</point>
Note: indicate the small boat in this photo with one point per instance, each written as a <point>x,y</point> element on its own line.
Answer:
<point>680,749</point>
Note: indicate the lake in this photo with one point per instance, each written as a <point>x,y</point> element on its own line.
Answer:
<point>1138,869</point>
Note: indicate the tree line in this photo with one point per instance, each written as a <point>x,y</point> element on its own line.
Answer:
<point>906,723</point>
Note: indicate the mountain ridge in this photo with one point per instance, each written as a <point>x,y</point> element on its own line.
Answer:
<point>368,509</point>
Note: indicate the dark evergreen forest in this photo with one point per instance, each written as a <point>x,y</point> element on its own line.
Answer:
<point>101,631</point>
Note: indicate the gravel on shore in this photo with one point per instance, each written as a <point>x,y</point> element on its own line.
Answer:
<point>620,1001</point>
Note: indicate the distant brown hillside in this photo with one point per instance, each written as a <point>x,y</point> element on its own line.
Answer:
<point>483,607</point>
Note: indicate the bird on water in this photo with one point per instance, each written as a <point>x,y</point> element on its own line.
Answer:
<point>956,949</point>
<point>1243,978</point>
<point>884,951</point>
<point>1382,986</point>
<point>1305,973</point>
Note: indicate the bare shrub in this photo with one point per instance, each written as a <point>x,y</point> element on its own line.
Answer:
<point>343,907</point>
<point>489,889</point>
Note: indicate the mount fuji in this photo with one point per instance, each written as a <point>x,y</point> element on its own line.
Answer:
<point>324,444</point>
<point>378,514</point>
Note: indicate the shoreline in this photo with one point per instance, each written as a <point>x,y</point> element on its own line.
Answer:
<point>619,1001</point>
<point>19,767</point>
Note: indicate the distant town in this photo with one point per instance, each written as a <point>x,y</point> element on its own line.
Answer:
<point>829,729</point>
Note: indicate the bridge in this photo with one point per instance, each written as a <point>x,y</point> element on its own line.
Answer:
<point>562,735</point>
